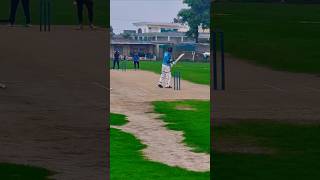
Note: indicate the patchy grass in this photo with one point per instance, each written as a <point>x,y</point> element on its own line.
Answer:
<point>194,123</point>
<point>127,162</point>
<point>118,119</point>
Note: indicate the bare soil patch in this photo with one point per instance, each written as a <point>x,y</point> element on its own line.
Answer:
<point>51,113</point>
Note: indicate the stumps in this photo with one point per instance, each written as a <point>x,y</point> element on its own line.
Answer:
<point>218,85</point>
<point>45,15</point>
<point>177,81</point>
<point>123,65</point>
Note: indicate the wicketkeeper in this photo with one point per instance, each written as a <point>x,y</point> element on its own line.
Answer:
<point>165,78</point>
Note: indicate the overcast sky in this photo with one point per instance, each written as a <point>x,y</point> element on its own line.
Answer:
<point>125,12</point>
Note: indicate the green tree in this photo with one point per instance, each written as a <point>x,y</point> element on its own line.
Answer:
<point>111,30</point>
<point>126,35</point>
<point>197,15</point>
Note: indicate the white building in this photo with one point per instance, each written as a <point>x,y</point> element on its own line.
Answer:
<point>155,27</point>
<point>166,33</point>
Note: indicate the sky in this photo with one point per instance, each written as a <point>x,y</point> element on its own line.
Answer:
<point>125,12</point>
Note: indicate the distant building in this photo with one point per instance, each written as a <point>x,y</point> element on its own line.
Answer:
<point>146,50</point>
<point>167,33</point>
<point>150,38</point>
<point>156,27</point>
<point>204,37</point>
<point>163,37</point>
<point>161,32</point>
<point>129,32</point>
<point>201,30</point>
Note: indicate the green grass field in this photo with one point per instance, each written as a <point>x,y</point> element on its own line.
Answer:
<point>287,151</point>
<point>280,36</point>
<point>127,161</point>
<point>193,72</point>
<point>194,122</point>
<point>21,172</point>
<point>63,12</point>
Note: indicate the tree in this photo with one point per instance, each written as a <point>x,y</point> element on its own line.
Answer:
<point>111,31</point>
<point>126,35</point>
<point>177,20</point>
<point>197,15</point>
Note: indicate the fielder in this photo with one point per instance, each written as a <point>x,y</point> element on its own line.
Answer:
<point>165,78</point>
<point>116,59</point>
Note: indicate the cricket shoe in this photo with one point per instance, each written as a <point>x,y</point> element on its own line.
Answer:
<point>160,86</point>
<point>3,86</point>
<point>80,27</point>
<point>92,27</point>
<point>168,87</point>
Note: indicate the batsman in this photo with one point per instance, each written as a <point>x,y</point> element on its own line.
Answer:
<point>167,62</point>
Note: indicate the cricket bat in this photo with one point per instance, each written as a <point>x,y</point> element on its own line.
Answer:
<point>178,59</point>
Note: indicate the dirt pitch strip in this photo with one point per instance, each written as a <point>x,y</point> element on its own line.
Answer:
<point>258,93</point>
<point>53,111</point>
<point>132,94</point>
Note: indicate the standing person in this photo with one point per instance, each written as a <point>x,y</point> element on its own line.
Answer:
<point>89,5</point>
<point>136,59</point>
<point>116,59</point>
<point>165,77</point>
<point>26,9</point>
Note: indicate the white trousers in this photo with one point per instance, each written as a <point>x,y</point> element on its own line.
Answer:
<point>165,78</point>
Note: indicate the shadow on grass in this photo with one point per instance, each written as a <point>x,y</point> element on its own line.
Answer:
<point>23,172</point>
